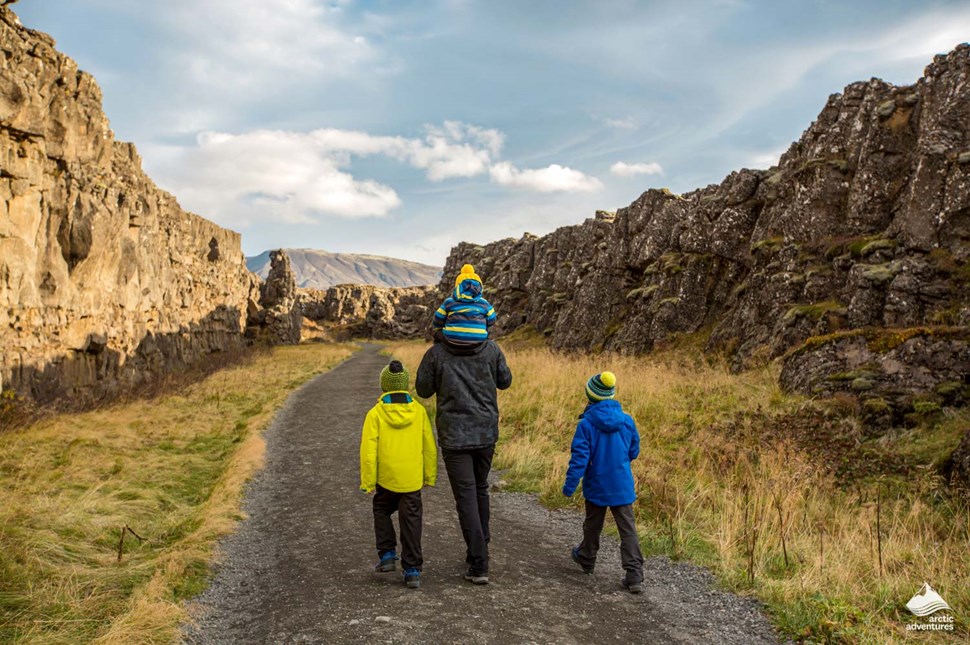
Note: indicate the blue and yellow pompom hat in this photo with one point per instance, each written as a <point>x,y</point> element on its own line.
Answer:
<point>468,285</point>
<point>601,387</point>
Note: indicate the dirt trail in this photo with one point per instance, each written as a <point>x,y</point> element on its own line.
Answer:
<point>299,570</point>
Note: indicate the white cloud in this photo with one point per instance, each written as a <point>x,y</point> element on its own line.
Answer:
<point>243,42</point>
<point>628,123</point>
<point>455,150</point>
<point>623,169</point>
<point>214,64</point>
<point>277,175</point>
<point>553,178</point>
<point>270,175</point>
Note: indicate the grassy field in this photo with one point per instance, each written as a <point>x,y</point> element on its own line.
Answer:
<point>783,498</point>
<point>172,468</point>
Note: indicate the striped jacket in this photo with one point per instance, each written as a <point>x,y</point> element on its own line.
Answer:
<point>465,316</point>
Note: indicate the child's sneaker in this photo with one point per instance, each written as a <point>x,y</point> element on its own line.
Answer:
<point>632,586</point>
<point>388,562</point>
<point>476,578</point>
<point>412,578</point>
<point>575,552</point>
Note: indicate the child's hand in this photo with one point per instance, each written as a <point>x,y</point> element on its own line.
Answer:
<point>567,492</point>
<point>366,491</point>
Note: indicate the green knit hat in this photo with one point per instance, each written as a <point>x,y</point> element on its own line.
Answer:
<point>394,378</point>
<point>601,386</point>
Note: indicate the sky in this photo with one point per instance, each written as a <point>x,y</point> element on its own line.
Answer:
<point>403,127</point>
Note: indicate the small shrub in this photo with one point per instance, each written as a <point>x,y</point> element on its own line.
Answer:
<point>15,411</point>
<point>876,406</point>
<point>925,408</point>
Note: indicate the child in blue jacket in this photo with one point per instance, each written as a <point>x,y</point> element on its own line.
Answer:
<point>465,316</point>
<point>605,443</point>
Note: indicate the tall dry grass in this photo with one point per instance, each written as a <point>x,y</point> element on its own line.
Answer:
<point>766,517</point>
<point>172,468</point>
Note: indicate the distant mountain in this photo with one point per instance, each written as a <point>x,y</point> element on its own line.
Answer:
<point>320,269</point>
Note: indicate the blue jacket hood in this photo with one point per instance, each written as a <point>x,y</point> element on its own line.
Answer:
<point>606,416</point>
<point>468,290</point>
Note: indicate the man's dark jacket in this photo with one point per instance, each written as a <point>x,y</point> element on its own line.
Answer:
<point>465,381</point>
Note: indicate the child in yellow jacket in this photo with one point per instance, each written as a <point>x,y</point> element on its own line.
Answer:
<point>397,457</point>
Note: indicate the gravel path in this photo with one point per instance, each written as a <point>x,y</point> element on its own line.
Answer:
<point>299,569</point>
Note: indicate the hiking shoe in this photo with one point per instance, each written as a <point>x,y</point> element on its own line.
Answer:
<point>476,578</point>
<point>632,587</point>
<point>388,562</point>
<point>412,578</point>
<point>586,570</point>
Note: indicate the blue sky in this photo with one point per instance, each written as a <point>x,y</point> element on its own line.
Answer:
<point>402,128</point>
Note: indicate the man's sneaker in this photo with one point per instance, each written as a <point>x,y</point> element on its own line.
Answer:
<point>388,562</point>
<point>412,578</point>
<point>632,587</point>
<point>476,578</point>
<point>586,570</point>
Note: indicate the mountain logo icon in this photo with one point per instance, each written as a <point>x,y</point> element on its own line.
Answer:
<point>926,601</point>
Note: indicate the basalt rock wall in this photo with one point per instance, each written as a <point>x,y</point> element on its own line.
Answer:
<point>104,279</point>
<point>279,319</point>
<point>372,312</point>
<point>865,222</point>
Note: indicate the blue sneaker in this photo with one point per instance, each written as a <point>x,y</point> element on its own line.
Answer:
<point>586,570</point>
<point>412,578</point>
<point>388,562</point>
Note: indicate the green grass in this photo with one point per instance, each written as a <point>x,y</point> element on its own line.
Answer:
<point>172,468</point>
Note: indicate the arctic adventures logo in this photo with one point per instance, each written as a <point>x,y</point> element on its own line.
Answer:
<point>924,604</point>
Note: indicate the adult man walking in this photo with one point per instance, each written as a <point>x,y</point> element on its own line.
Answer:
<point>466,381</point>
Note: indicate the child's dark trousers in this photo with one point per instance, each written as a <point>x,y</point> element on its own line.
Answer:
<point>409,510</point>
<point>630,554</point>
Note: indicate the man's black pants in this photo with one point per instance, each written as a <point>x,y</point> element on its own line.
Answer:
<point>386,502</point>
<point>630,554</point>
<point>468,475</point>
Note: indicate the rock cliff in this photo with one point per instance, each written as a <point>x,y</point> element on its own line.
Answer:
<point>278,319</point>
<point>865,222</point>
<point>372,312</point>
<point>104,279</point>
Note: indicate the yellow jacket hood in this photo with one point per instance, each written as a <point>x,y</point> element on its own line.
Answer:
<point>399,415</point>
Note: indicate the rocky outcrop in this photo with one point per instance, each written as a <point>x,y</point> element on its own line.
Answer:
<point>104,280</point>
<point>278,319</point>
<point>864,222</point>
<point>372,312</point>
<point>898,375</point>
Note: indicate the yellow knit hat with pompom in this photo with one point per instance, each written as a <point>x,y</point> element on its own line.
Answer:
<point>467,273</point>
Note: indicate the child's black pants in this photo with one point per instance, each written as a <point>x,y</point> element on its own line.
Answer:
<point>409,509</point>
<point>630,554</point>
